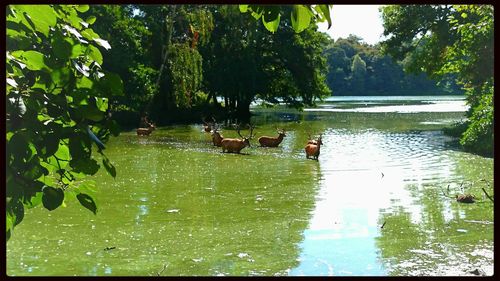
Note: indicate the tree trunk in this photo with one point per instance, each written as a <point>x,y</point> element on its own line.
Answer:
<point>243,110</point>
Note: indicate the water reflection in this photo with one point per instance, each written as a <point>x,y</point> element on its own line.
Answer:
<point>179,201</point>
<point>371,202</point>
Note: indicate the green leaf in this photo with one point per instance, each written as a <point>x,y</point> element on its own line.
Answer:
<point>326,13</point>
<point>62,48</point>
<point>34,170</point>
<point>52,197</point>
<point>90,20</point>
<point>18,146</point>
<point>109,167</point>
<point>88,202</point>
<point>102,104</point>
<point>16,210</point>
<point>271,19</point>
<point>91,112</point>
<point>77,50</point>
<point>85,165</point>
<point>82,8</point>
<point>84,83</point>
<point>42,16</point>
<point>95,54</point>
<point>110,85</point>
<point>34,60</point>
<point>79,147</point>
<point>33,200</point>
<point>59,77</point>
<point>50,145</point>
<point>243,8</point>
<point>301,18</point>
<point>9,221</point>
<point>63,154</point>
<point>90,34</point>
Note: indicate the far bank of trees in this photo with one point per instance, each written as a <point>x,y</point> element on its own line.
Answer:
<point>358,69</point>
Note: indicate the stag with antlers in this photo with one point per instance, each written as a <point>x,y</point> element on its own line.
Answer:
<point>236,145</point>
<point>266,141</point>
<point>207,126</point>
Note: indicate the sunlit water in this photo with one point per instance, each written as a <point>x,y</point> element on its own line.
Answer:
<point>378,201</point>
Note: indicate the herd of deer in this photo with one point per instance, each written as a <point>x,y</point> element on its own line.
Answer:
<point>312,148</point>
<point>235,145</point>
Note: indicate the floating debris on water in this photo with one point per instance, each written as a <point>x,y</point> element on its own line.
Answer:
<point>242,255</point>
<point>173,211</point>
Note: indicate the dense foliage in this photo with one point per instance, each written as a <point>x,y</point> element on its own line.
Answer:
<point>356,68</point>
<point>243,62</point>
<point>56,108</point>
<point>177,59</point>
<point>444,39</point>
<point>156,54</point>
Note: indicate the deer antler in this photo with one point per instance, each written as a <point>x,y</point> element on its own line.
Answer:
<point>238,130</point>
<point>251,131</point>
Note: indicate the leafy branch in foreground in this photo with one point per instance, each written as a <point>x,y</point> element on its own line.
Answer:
<point>56,107</point>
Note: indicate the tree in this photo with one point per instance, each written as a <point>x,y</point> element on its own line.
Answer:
<point>450,39</point>
<point>177,31</point>
<point>129,56</point>
<point>358,70</point>
<point>57,101</point>
<point>244,62</point>
<point>367,71</point>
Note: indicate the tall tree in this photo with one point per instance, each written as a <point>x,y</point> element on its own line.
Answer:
<point>450,39</point>
<point>358,70</point>
<point>244,61</point>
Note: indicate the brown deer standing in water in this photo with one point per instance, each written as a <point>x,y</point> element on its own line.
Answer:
<point>146,131</point>
<point>266,141</point>
<point>236,145</point>
<point>313,147</point>
<point>216,136</point>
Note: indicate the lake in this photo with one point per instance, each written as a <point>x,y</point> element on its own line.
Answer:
<point>380,201</point>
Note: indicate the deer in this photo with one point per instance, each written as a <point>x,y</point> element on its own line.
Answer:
<point>313,147</point>
<point>146,131</point>
<point>236,145</point>
<point>266,141</point>
<point>207,126</point>
<point>216,136</point>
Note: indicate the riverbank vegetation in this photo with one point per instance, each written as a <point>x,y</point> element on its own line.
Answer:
<point>450,39</point>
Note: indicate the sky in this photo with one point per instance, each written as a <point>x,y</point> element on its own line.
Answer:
<point>361,20</point>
